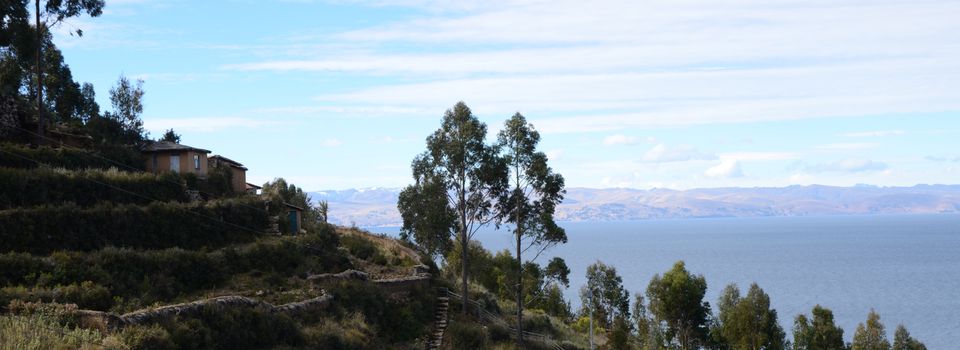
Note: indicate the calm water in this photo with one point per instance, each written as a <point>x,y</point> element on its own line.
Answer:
<point>905,267</point>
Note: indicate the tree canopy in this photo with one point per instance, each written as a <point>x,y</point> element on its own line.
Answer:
<point>676,299</point>
<point>458,174</point>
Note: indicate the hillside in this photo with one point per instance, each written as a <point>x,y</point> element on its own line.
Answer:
<point>96,257</point>
<point>377,206</point>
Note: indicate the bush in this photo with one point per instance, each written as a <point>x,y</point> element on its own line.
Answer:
<point>43,332</point>
<point>26,188</point>
<point>87,295</point>
<point>464,335</point>
<point>151,337</point>
<point>24,157</point>
<point>41,230</point>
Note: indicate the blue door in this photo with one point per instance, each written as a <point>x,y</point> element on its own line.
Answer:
<point>292,215</point>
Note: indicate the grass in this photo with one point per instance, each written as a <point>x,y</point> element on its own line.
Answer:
<point>42,332</point>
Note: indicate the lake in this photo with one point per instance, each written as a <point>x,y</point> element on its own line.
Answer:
<point>906,267</point>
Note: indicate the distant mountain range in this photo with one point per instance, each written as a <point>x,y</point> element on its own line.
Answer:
<point>378,206</point>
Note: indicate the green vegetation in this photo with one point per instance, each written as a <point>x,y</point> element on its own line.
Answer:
<point>44,186</point>
<point>41,230</point>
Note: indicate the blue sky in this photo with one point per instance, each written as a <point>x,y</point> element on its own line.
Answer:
<point>678,94</point>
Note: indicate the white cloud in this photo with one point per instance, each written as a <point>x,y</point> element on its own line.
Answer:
<point>203,124</point>
<point>614,140</point>
<point>555,154</point>
<point>850,165</point>
<point>882,133</point>
<point>331,143</point>
<point>663,153</point>
<point>759,156</point>
<point>726,169</point>
<point>847,146</point>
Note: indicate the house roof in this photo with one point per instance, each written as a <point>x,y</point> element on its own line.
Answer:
<point>167,146</point>
<point>229,161</point>
<point>251,186</point>
<point>292,206</point>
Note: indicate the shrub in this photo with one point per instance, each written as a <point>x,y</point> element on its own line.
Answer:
<point>26,188</point>
<point>86,295</point>
<point>40,331</point>
<point>465,335</point>
<point>24,157</point>
<point>151,337</point>
<point>157,225</point>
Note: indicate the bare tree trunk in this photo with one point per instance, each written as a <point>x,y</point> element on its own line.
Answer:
<point>464,247</point>
<point>519,260</point>
<point>39,75</point>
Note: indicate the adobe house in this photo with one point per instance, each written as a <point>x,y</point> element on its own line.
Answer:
<point>237,170</point>
<point>163,156</point>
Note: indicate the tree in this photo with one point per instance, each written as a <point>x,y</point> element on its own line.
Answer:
<point>676,299</point>
<point>871,336</point>
<point>170,136</point>
<point>903,341</point>
<point>820,334</point>
<point>604,296</point>
<point>460,173</point>
<point>748,323</point>
<point>428,218</point>
<point>127,101</point>
<point>55,12</point>
<point>535,195</point>
<point>558,271</point>
<point>322,210</point>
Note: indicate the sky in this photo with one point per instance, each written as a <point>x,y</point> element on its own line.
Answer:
<point>644,94</point>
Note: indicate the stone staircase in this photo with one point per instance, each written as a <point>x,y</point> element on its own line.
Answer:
<point>440,321</point>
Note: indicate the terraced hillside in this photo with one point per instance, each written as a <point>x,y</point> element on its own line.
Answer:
<point>94,257</point>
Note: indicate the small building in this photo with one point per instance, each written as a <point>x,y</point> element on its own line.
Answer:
<point>294,218</point>
<point>163,156</point>
<point>238,172</point>
<point>253,189</point>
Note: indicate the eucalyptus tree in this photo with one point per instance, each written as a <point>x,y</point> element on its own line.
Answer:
<point>820,333</point>
<point>536,192</point>
<point>676,300</point>
<point>51,14</point>
<point>872,335</point>
<point>458,181</point>
<point>903,341</point>
<point>748,322</point>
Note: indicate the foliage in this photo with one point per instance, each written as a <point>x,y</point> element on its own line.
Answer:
<point>27,188</point>
<point>393,319</point>
<point>44,229</point>
<point>748,322</point>
<point>41,332</point>
<point>903,341</point>
<point>139,278</point>
<point>86,295</point>
<point>127,101</point>
<point>466,335</point>
<point>536,192</point>
<point>676,300</point>
<point>150,337</point>
<point>820,333</point>
<point>604,295</point>
<point>23,157</point>
<point>170,136</point>
<point>322,209</point>
<point>458,173</point>
<point>279,192</point>
<point>871,336</point>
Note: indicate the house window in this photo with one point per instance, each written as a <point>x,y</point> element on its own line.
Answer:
<point>175,163</point>
<point>196,161</point>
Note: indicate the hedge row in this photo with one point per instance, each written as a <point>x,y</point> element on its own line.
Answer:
<point>160,275</point>
<point>35,187</point>
<point>41,230</point>
<point>24,157</point>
